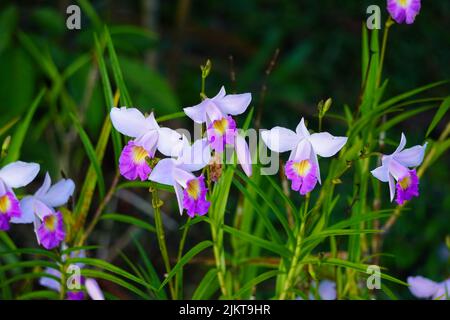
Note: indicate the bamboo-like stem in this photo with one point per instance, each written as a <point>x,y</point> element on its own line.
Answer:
<point>178,290</point>
<point>156,204</point>
<point>387,26</point>
<point>299,240</point>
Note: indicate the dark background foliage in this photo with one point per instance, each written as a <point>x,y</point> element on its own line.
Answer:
<point>319,57</point>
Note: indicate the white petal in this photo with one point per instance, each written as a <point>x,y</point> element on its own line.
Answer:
<point>402,144</point>
<point>45,186</point>
<point>422,287</point>
<point>213,112</point>
<point>37,223</point>
<point>179,195</point>
<point>326,145</point>
<point>243,155</point>
<point>302,151</point>
<point>3,188</point>
<point>327,290</point>
<point>411,157</point>
<point>130,121</point>
<point>59,193</point>
<point>50,282</point>
<point>391,187</point>
<point>19,174</point>
<point>163,172</point>
<point>94,290</point>
<point>27,208</point>
<point>280,139</point>
<point>301,129</point>
<point>234,104</point>
<point>181,177</point>
<point>397,170</point>
<point>198,112</point>
<point>151,122</point>
<point>195,157</point>
<point>220,95</point>
<point>168,142</point>
<point>316,162</point>
<point>381,173</point>
<point>148,141</point>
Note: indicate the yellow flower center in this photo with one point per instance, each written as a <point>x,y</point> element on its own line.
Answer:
<point>221,126</point>
<point>405,182</point>
<point>193,189</point>
<point>139,154</point>
<point>403,3</point>
<point>5,204</point>
<point>302,168</point>
<point>50,222</point>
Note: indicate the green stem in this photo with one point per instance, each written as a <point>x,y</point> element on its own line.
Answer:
<point>387,26</point>
<point>179,275</point>
<point>290,280</point>
<point>156,203</point>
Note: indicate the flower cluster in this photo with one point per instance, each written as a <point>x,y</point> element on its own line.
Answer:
<point>182,158</point>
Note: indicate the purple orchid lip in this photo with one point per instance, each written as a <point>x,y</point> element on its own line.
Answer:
<point>9,208</point>
<point>404,11</point>
<point>51,232</point>
<point>133,162</point>
<point>194,197</point>
<point>407,187</point>
<point>222,132</point>
<point>303,175</point>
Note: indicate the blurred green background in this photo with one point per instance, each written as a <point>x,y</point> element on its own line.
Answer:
<point>161,45</point>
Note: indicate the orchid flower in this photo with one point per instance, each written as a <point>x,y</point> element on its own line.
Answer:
<point>148,137</point>
<point>221,128</point>
<point>177,172</point>
<point>425,288</point>
<point>395,167</point>
<point>91,285</point>
<point>39,209</point>
<point>326,290</point>
<point>303,166</point>
<point>403,10</point>
<point>14,175</point>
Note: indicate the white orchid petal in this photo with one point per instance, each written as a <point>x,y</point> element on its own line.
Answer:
<point>148,141</point>
<point>397,170</point>
<point>168,142</point>
<point>130,121</point>
<point>411,157</point>
<point>391,187</point>
<point>401,145</point>
<point>195,157</point>
<point>198,112</point>
<point>301,129</point>
<point>422,287</point>
<point>316,162</point>
<point>181,177</point>
<point>51,283</point>
<point>381,173</point>
<point>163,172</point>
<point>94,290</point>
<point>19,174</point>
<point>213,112</point>
<point>302,151</point>
<point>220,95</point>
<point>326,145</point>
<point>280,139</point>
<point>37,223</point>
<point>45,186</point>
<point>59,193</point>
<point>234,104</point>
<point>243,155</point>
<point>151,122</point>
<point>27,209</point>
<point>179,195</point>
